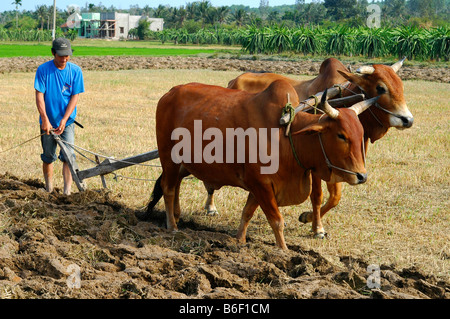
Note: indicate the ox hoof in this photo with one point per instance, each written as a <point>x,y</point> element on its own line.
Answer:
<point>320,235</point>
<point>303,218</point>
<point>212,213</point>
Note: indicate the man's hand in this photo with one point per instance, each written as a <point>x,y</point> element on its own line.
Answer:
<point>61,127</point>
<point>46,126</point>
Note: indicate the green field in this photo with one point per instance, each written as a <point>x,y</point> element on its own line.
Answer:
<point>99,48</point>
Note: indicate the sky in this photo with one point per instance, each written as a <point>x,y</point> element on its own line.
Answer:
<point>6,5</point>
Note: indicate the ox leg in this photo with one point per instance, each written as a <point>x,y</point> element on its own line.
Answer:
<point>267,201</point>
<point>182,173</point>
<point>210,207</point>
<point>170,185</point>
<point>176,203</point>
<point>335,191</point>
<point>247,214</point>
<point>316,201</point>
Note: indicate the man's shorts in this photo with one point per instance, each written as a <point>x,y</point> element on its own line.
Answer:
<point>49,145</point>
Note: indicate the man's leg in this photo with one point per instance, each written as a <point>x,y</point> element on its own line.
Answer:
<point>67,176</point>
<point>48,176</point>
<point>48,156</point>
<point>69,136</point>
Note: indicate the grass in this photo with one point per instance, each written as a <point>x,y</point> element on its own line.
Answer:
<point>115,48</point>
<point>97,47</point>
<point>400,216</point>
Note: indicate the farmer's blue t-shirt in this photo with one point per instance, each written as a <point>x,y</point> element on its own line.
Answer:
<point>58,87</point>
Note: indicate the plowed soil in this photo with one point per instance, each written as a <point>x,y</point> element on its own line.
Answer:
<point>111,63</point>
<point>42,236</point>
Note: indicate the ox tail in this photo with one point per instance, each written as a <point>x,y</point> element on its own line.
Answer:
<point>156,195</point>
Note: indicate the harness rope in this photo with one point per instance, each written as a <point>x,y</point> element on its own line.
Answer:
<point>376,104</point>
<point>331,166</point>
<point>288,108</point>
<point>29,140</point>
<point>75,148</point>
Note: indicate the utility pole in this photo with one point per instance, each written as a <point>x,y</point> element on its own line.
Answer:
<point>54,20</point>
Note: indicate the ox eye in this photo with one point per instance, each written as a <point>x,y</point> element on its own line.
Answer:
<point>380,89</point>
<point>342,137</point>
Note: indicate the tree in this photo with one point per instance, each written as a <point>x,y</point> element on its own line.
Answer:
<point>41,14</point>
<point>239,16</point>
<point>17,3</point>
<point>263,7</point>
<point>394,9</point>
<point>203,9</point>
<point>179,16</point>
<point>211,16</point>
<point>146,11</point>
<point>340,9</point>
<point>222,12</point>
<point>143,28</point>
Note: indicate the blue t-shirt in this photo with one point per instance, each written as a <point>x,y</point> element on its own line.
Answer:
<point>58,87</point>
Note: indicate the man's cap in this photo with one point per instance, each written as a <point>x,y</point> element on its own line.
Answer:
<point>62,46</point>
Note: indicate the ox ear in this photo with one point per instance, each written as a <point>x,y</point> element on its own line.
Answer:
<point>311,129</point>
<point>353,78</point>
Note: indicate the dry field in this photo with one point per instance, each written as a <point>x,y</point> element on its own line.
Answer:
<point>399,219</point>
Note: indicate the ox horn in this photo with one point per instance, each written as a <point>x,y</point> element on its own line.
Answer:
<point>365,69</point>
<point>363,105</point>
<point>326,107</point>
<point>397,65</point>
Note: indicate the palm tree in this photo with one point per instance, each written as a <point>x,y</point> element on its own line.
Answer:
<point>146,11</point>
<point>159,12</point>
<point>203,9</point>
<point>211,16</point>
<point>41,13</point>
<point>191,9</point>
<point>222,13</point>
<point>17,3</point>
<point>239,16</point>
<point>181,15</point>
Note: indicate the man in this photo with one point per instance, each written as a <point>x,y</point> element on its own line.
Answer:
<point>58,84</point>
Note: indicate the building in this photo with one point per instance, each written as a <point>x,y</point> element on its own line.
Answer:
<point>108,25</point>
<point>89,24</point>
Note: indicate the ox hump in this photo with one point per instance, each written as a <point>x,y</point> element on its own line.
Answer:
<point>279,89</point>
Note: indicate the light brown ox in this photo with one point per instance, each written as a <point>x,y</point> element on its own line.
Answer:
<point>377,80</point>
<point>221,108</point>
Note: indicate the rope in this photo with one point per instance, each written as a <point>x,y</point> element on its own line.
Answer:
<point>75,148</point>
<point>22,143</point>
<point>316,102</point>
<point>108,157</point>
<point>288,108</point>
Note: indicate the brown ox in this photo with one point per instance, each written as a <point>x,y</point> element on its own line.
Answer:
<point>337,135</point>
<point>377,80</point>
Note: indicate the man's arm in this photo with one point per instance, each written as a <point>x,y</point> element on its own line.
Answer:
<point>70,107</point>
<point>40,103</point>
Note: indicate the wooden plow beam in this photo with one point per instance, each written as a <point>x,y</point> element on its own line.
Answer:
<point>111,165</point>
<point>103,168</point>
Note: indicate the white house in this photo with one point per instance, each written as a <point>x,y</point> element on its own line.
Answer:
<point>116,25</point>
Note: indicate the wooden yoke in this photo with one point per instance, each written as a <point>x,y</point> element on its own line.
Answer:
<point>312,101</point>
